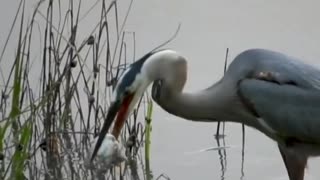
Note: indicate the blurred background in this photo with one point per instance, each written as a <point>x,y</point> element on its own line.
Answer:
<point>208,28</point>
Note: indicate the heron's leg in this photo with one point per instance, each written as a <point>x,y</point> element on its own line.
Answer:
<point>294,162</point>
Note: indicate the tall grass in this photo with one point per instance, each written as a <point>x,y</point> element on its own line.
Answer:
<point>57,93</point>
<point>57,90</point>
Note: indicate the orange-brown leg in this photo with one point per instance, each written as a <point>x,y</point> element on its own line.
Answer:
<point>294,162</point>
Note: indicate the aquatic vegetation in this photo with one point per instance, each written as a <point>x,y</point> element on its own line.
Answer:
<point>56,91</point>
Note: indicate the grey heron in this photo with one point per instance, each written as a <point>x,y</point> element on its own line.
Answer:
<point>276,94</point>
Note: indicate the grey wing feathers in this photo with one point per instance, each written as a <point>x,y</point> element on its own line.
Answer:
<point>288,68</point>
<point>291,111</point>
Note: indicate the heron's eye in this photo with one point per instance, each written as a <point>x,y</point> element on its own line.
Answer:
<point>156,89</point>
<point>126,93</point>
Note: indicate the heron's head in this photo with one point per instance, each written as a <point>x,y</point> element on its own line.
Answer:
<point>134,81</point>
<point>128,89</point>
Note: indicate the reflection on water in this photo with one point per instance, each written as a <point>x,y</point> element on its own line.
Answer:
<point>220,138</point>
<point>221,148</point>
<point>242,152</point>
<point>222,156</point>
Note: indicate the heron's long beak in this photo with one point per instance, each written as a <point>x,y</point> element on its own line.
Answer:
<point>116,109</point>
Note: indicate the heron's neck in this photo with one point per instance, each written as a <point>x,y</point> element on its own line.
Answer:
<point>204,105</point>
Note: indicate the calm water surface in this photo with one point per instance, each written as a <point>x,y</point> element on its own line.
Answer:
<point>208,28</point>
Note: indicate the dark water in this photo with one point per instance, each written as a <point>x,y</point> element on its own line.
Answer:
<point>208,28</point>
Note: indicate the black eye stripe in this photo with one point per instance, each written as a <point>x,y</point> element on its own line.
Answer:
<point>126,92</point>
<point>130,76</point>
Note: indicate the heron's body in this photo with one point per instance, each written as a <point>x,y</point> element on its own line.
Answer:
<point>274,93</point>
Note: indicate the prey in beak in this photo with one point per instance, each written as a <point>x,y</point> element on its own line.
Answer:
<point>129,88</point>
<point>119,109</point>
